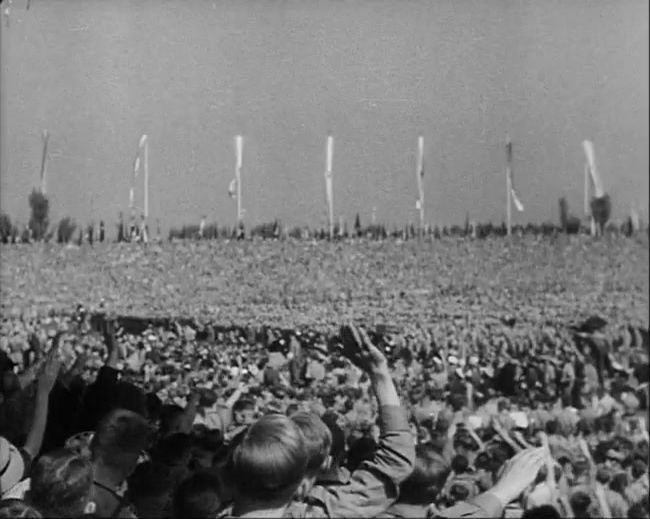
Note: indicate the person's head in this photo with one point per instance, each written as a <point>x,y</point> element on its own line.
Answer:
<point>580,502</point>
<point>60,485</point>
<point>204,448</point>
<point>174,450</point>
<point>427,479</point>
<point>318,441</point>
<point>552,427</point>
<point>150,488</point>
<point>12,465</point>
<point>614,460</point>
<point>171,419</point>
<point>466,446</point>
<point>118,441</point>
<point>268,464</point>
<point>131,397</point>
<point>639,510</point>
<point>17,509</point>
<point>459,464</point>
<point>603,476</point>
<point>619,482</point>
<point>243,412</point>
<point>198,496</point>
<point>541,512</point>
<point>457,493</point>
<point>638,468</point>
<point>361,449</point>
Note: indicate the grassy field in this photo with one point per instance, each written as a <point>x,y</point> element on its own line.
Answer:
<point>294,283</point>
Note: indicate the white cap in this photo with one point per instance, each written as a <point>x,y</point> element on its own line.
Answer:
<point>12,466</point>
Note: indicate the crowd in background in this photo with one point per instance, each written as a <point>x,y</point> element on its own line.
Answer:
<point>445,420</point>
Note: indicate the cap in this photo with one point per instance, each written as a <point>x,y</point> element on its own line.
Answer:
<point>12,466</point>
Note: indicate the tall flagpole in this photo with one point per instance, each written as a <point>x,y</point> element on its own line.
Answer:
<point>46,137</point>
<point>328,185</point>
<point>420,179</point>
<point>146,177</point>
<point>508,186</point>
<point>239,144</point>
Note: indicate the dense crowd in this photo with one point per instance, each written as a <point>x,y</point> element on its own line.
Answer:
<point>447,420</point>
<point>296,283</point>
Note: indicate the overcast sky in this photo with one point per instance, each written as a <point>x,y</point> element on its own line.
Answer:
<point>192,74</point>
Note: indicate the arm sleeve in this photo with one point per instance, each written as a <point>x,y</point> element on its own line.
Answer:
<point>483,505</point>
<point>374,486</point>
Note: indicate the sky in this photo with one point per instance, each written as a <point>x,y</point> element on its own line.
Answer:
<point>376,74</point>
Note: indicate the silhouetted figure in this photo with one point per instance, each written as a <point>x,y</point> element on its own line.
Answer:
<point>91,229</point>
<point>101,231</point>
<point>601,210</point>
<point>120,229</point>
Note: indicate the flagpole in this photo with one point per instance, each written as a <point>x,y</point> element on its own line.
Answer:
<point>420,174</point>
<point>146,178</point>
<point>46,137</point>
<point>508,186</point>
<point>239,145</point>
<point>328,185</point>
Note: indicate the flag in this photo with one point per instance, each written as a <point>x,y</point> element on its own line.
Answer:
<point>419,204</point>
<point>46,138</point>
<point>513,192</point>
<point>136,168</point>
<point>588,147</point>
<point>234,189</point>
<point>329,190</point>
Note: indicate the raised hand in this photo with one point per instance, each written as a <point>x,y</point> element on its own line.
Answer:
<point>358,347</point>
<point>49,372</point>
<point>519,473</point>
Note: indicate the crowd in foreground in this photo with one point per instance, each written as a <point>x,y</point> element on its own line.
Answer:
<point>448,421</point>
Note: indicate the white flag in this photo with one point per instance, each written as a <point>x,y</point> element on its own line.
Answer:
<point>513,192</point>
<point>588,146</point>
<point>517,202</point>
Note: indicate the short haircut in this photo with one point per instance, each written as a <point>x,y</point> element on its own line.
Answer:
<point>198,496</point>
<point>580,502</point>
<point>131,397</point>
<point>428,477</point>
<point>458,492</point>
<point>541,512</point>
<point>171,449</point>
<point>361,449</point>
<point>318,440</point>
<point>639,468</point>
<point>337,450</point>
<point>269,463</point>
<point>619,482</point>
<point>119,439</point>
<point>169,414</point>
<point>17,509</point>
<point>552,426</point>
<point>243,404</point>
<point>459,464</point>
<point>61,482</point>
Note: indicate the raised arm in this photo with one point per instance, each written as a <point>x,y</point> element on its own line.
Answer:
<point>374,486</point>
<point>46,380</point>
<point>519,473</point>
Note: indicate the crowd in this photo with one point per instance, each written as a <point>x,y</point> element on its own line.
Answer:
<point>295,283</point>
<point>452,419</point>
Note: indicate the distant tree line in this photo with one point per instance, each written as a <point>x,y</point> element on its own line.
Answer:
<point>39,229</point>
